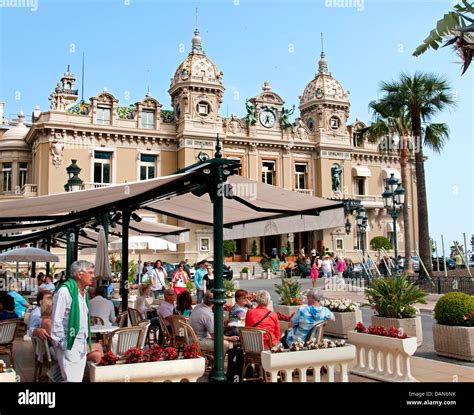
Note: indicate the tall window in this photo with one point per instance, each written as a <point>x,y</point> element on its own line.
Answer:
<point>268,172</point>
<point>301,173</point>
<point>356,139</point>
<point>360,185</point>
<point>102,164</point>
<point>23,174</point>
<point>103,116</point>
<point>147,166</point>
<point>239,171</point>
<point>148,119</point>
<point>7,177</point>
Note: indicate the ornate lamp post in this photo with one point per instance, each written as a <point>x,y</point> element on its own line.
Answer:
<point>73,184</point>
<point>394,198</point>
<point>362,221</point>
<point>347,226</point>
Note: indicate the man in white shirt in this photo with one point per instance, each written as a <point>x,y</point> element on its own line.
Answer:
<point>70,322</point>
<point>101,307</point>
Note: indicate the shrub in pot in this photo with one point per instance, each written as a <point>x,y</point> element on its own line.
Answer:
<point>244,274</point>
<point>393,299</point>
<point>347,314</point>
<point>453,334</point>
<point>291,297</point>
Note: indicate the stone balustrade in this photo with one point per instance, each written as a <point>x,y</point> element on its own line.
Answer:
<point>383,358</point>
<point>288,362</point>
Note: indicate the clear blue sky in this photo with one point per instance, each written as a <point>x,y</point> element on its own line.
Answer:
<point>250,41</point>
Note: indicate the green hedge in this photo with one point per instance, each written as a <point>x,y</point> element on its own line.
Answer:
<point>451,309</point>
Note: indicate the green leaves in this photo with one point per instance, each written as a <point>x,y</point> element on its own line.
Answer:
<point>394,297</point>
<point>289,291</point>
<point>454,309</point>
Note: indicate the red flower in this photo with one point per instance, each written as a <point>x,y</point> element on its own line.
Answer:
<point>108,359</point>
<point>153,354</point>
<point>191,352</point>
<point>360,328</point>
<point>134,355</point>
<point>170,353</point>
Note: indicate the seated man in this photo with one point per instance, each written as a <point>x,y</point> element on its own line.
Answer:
<point>99,306</point>
<point>8,310</point>
<point>202,321</point>
<point>306,317</point>
<point>167,309</point>
<point>48,284</point>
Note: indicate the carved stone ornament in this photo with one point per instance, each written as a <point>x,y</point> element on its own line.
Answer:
<point>57,151</point>
<point>300,130</point>
<point>234,125</point>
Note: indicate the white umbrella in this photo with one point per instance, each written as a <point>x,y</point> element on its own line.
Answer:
<point>29,254</point>
<point>102,266</point>
<point>144,243</point>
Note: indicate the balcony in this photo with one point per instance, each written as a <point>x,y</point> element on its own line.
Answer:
<point>304,191</point>
<point>90,185</point>
<point>370,201</point>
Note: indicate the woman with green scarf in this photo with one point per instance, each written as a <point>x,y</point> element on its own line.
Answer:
<point>70,329</point>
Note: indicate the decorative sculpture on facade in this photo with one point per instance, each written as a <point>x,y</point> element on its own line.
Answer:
<point>300,129</point>
<point>336,172</point>
<point>251,118</point>
<point>284,118</point>
<point>234,124</point>
<point>57,151</point>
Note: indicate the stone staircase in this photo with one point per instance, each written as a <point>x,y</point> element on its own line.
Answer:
<point>237,267</point>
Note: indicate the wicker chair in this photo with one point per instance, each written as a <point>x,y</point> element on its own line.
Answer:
<point>145,325</point>
<point>124,339</point>
<point>167,338</point>
<point>180,340</point>
<point>8,330</point>
<point>316,332</point>
<point>135,316</point>
<point>191,338</point>
<point>97,321</point>
<point>42,356</point>
<point>122,319</point>
<point>252,343</point>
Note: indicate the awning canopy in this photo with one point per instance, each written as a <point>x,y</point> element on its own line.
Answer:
<point>388,172</point>
<point>361,171</point>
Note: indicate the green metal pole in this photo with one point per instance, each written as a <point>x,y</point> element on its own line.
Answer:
<point>218,374</point>
<point>69,250</point>
<point>124,283</point>
<point>395,242</point>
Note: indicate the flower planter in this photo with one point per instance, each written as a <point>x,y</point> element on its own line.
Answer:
<point>255,258</point>
<point>8,374</point>
<point>344,323</point>
<point>169,370</point>
<point>383,358</point>
<point>454,341</point>
<point>302,360</point>
<point>264,275</point>
<point>228,259</point>
<point>244,276</point>
<point>286,309</point>
<point>411,326</point>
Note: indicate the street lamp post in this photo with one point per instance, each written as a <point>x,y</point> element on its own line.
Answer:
<point>394,198</point>
<point>362,221</point>
<point>73,184</point>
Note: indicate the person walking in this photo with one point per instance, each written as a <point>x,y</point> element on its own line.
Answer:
<point>179,280</point>
<point>284,253</point>
<point>314,273</point>
<point>158,279</point>
<point>327,267</point>
<point>70,330</point>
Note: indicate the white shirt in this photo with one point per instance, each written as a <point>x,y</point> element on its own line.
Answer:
<point>103,308</point>
<point>60,318</point>
<point>157,279</point>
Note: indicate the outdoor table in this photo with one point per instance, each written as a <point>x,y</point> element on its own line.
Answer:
<point>103,330</point>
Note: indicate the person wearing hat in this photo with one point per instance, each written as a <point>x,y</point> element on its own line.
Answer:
<point>327,267</point>
<point>306,317</point>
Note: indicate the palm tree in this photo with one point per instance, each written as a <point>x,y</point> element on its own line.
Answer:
<point>389,125</point>
<point>422,96</point>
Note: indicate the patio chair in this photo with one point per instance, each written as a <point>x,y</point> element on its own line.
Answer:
<point>166,337</point>
<point>124,339</point>
<point>191,338</point>
<point>122,319</point>
<point>252,343</point>
<point>96,321</point>
<point>145,325</point>
<point>8,330</point>
<point>316,332</point>
<point>135,316</point>
<point>42,356</point>
<point>180,340</point>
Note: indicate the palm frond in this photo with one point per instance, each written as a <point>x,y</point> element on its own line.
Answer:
<point>435,136</point>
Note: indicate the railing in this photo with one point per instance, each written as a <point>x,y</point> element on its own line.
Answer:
<point>89,185</point>
<point>304,191</point>
<point>443,285</point>
<point>367,198</point>
<point>29,190</point>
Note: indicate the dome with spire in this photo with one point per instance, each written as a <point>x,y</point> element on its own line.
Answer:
<point>197,68</point>
<point>324,87</point>
<point>14,138</point>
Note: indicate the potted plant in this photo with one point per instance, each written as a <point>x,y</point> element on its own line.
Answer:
<point>244,274</point>
<point>229,288</point>
<point>383,354</point>
<point>254,257</point>
<point>230,247</point>
<point>453,334</point>
<point>393,299</point>
<point>347,314</point>
<point>266,266</point>
<point>153,365</point>
<point>291,297</point>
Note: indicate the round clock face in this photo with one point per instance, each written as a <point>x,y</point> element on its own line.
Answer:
<point>334,123</point>
<point>267,118</point>
<point>310,124</point>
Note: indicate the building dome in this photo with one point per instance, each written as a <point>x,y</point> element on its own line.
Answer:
<point>14,138</point>
<point>197,68</point>
<point>324,87</point>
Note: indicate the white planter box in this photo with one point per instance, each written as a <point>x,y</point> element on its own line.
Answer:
<point>305,359</point>
<point>454,341</point>
<point>169,370</point>
<point>244,276</point>
<point>344,323</point>
<point>383,358</point>
<point>288,310</point>
<point>8,375</point>
<point>411,326</point>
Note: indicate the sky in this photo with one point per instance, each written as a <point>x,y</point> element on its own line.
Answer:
<point>131,45</point>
